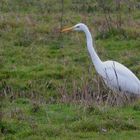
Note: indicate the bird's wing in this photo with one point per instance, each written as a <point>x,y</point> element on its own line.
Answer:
<point>121,70</point>
<point>121,75</point>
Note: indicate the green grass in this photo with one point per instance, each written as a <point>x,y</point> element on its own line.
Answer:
<point>36,61</point>
<point>24,119</point>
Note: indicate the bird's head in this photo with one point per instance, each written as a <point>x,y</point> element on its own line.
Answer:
<point>77,27</point>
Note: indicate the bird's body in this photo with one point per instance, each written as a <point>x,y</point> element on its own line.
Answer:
<point>119,78</point>
<point>115,75</point>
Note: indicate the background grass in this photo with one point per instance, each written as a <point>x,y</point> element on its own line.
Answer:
<point>36,60</point>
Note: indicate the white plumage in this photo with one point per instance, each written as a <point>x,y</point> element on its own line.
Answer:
<point>115,75</point>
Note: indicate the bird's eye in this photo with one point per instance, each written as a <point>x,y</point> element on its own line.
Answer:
<point>78,26</point>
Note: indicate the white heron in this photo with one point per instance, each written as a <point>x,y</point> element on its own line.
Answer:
<point>115,75</point>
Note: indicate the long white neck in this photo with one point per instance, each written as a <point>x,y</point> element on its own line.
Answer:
<point>95,59</point>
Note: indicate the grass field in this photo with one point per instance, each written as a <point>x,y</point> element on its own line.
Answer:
<point>37,64</point>
<point>26,120</point>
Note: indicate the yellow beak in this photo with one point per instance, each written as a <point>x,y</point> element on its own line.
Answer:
<point>67,29</point>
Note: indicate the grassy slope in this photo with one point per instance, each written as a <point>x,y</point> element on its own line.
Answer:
<point>35,59</point>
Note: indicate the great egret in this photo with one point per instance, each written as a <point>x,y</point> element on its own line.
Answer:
<point>115,75</point>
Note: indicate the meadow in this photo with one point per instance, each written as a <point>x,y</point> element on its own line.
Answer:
<point>40,68</point>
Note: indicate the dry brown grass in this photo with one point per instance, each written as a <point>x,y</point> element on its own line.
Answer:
<point>93,92</point>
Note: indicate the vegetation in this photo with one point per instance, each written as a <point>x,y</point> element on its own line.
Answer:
<point>26,120</point>
<point>38,65</point>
